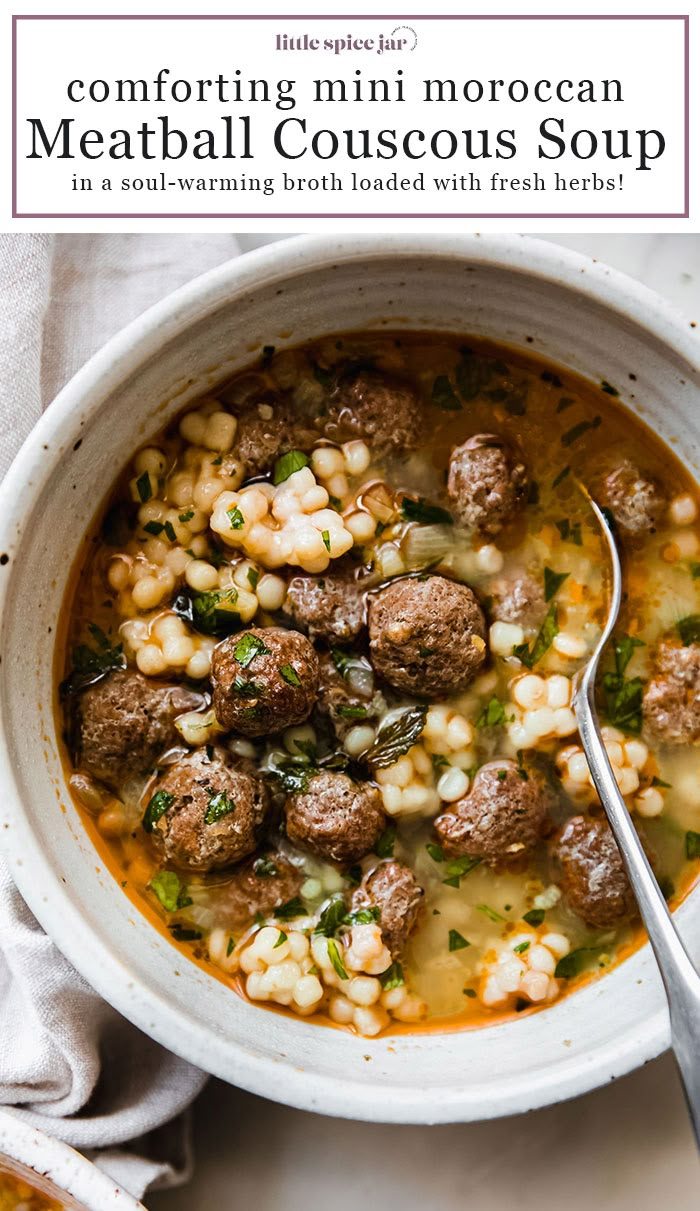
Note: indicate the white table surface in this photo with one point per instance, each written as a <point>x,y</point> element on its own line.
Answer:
<point>627,1147</point>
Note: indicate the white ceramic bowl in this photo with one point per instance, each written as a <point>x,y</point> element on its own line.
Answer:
<point>520,291</point>
<point>57,1170</point>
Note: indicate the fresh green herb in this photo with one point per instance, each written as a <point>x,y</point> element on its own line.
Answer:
<point>335,502</point>
<point>353,876</point>
<point>493,714</point>
<point>456,941</point>
<point>623,696</point>
<point>253,578</point>
<point>457,869</point>
<point>564,528</point>
<point>666,886</point>
<point>521,948</point>
<point>291,909</point>
<point>281,939</point>
<point>572,435</point>
<point>564,403</point>
<point>608,389</point>
<point>490,912</point>
<point>689,629</point>
<point>180,934</point>
<point>575,962</point>
<point>248,647</point>
<point>170,532</point>
<point>143,487</point>
<point>326,536</point>
<point>209,751</point>
<point>363,916</point>
<point>245,689</point>
<point>265,868</point>
<point>576,536</point>
<point>534,917</point>
<point>427,514</point>
<point>435,852</point>
<point>469,992</point>
<point>235,517</point>
<point>560,477</point>
<point>473,373</point>
<point>289,674</point>
<point>443,395</point>
<point>216,462</point>
<point>285,466</point>
<point>158,805</point>
<point>230,948</point>
<point>385,845</point>
<point>439,761</point>
<point>397,737</point>
<point>167,887</point>
<point>267,355</point>
<point>352,712</point>
<point>89,665</point>
<point>154,527</point>
<point>502,775</point>
<point>543,641</point>
<point>692,845</point>
<point>660,783</point>
<point>695,570</point>
<point>186,516</point>
<point>219,806</point>
<point>553,582</point>
<point>211,613</point>
<point>392,977</point>
<point>425,652</point>
<point>331,917</point>
<point>337,962</point>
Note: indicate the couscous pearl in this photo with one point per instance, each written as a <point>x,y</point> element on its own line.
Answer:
<point>370,1022</point>
<point>530,691</point>
<point>683,510</point>
<point>178,652</point>
<point>564,721</point>
<point>193,427</point>
<point>578,768</point>
<point>357,457</point>
<point>327,461</point>
<point>453,784</point>
<point>572,647</point>
<point>535,985</point>
<point>298,945</point>
<point>361,525</point>
<point>118,573</point>
<point>687,543</point>
<point>111,822</point>
<point>151,459</point>
<point>150,660</point>
<point>557,943</point>
<point>168,626</point>
<point>220,431</point>
<point>627,780</point>
<point>636,753</point>
<point>341,1010</point>
<point>180,489</point>
<point>489,559</point>
<point>392,798</point>
<point>540,958</point>
<point>459,732</point>
<point>271,592</point>
<point>504,636</point>
<point>614,751</point>
<point>201,576</point>
<point>296,739</point>
<point>338,486</point>
<point>558,691</point>
<point>542,721</point>
<point>358,740</point>
<point>177,560</point>
<point>649,802</point>
<point>308,991</point>
<point>147,593</point>
<point>364,990</point>
<point>199,665</point>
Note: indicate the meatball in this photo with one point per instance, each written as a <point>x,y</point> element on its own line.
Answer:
<point>382,409</point>
<point>259,887</point>
<point>671,703</point>
<point>501,817</point>
<point>634,501</point>
<point>207,812</point>
<point>266,429</point>
<point>592,875</point>
<point>392,888</point>
<point>124,722</point>
<point>329,607</point>
<point>344,707</point>
<point>487,483</point>
<point>426,637</point>
<point>263,680</point>
<point>520,601</point>
<point>335,817</point>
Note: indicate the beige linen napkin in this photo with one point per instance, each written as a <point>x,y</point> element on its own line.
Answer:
<point>68,1062</point>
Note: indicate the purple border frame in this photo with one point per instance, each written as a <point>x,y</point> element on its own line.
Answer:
<point>357,17</point>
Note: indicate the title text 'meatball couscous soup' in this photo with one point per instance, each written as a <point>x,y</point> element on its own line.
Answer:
<point>316,679</point>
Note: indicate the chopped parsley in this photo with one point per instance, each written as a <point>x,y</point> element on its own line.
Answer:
<point>572,435</point>
<point>337,962</point>
<point>443,395</point>
<point>92,664</point>
<point>622,695</point>
<point>553,582</point>
<point>253,578</point>
<point>158,805</point>
<point>248,647</point>
<point>219,806</point>
<point>392,977</point>
<point>692,845</point>
<point>235,517</point>
<point>186,516</point>
<point>385,845</point>
<point>564,403</point>
<point>230,948</point>
<point>352,712</point>
<point>154,527</point>
<point>265,868</point>
<point>397,737</point>
<point>560,477</point>
<point>660,783</point>
<point>170,532</point>
<point>469,992</point>
<point>425,513</point>
<point>212,613</point>
<point>543,640</point>
<point>291,909</point>
<point>181,934</point>
<point>435,852</point>
<point>493,714</point>
<point>534,917</point>
<point>490,913</point>
<point>285,466</point>
<point>458,869</point>
<point>575,962</point>
<point>281,939</point>
<point>169,890</point>
<point>689,629</point>
<point>455,941</point>
<point>326,536</point>
<point>245,689</point>
<point>143,487</point>
<point>289,674</point>
<point>521,948</point>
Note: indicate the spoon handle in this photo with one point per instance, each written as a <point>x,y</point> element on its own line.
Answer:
<point>681,980</point>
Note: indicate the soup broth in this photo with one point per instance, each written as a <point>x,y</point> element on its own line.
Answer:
<point>369,570</point>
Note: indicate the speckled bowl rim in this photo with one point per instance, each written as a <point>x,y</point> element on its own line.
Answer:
<point>71,1173</point>
<point>32,868</point>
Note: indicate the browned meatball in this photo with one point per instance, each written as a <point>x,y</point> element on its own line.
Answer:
<point>635,501</point>
<point>267,429</point>
<point>340,703</point>
<point>520,601</point>
<point>487,482</point>
<point>426,637</point>
<point>125,721</point>
<point>335,817</point>
<point>392,888</point>
<point>592,876</point>
<point>205,813</point>
<point>258,887</point>
<point>671,703</point>
<point>500,818</point>
<point>329,607</point>
<point>264,680</point>
<point>382,409</point>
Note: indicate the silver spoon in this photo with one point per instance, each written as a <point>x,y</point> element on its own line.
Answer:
<point>680,978</point>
